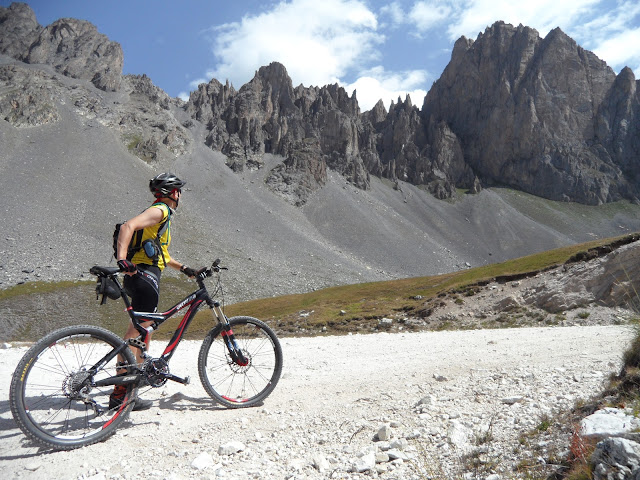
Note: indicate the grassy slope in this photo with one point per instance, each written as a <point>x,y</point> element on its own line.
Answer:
<point>42,307</point>
<point>343,309</point>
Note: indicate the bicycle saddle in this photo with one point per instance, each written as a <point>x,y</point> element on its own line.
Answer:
<point>104,271</point>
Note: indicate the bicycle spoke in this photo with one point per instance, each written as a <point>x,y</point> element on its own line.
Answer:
<point>52,397</point>
<point>234,384</point>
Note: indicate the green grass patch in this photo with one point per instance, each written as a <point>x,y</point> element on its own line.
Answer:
<point>28,311</point>
<point>367,301</point>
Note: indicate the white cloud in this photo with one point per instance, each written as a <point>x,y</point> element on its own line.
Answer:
<point>338,41</point>
<point>318,42</point>
<point>426,15</point>
<point>613,36</point>
<point>392,13</point>
<point>378,84</point>
<point>543,15</point>
<point>621,50</point>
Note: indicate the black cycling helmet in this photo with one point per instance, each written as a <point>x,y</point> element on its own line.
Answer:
<point>165,183</point>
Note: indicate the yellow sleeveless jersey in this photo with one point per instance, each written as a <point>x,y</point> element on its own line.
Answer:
<point>150,233</point>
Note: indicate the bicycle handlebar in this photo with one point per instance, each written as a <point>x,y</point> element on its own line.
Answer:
<point>205,272</point>
<point>106,273</point>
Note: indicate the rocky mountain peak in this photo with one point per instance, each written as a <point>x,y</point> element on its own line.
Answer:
<point>18,29</point>
<point>376,115</point>
<point>526,111</point>
<point>626,81</point>
<point>275,74</point>
<point>503,113</point>
<point>73,47</point>
<point>538,114</point>
<point>273,88</point>
<point>460,46</point>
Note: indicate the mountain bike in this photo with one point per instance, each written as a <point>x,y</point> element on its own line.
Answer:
<point>60,389</point>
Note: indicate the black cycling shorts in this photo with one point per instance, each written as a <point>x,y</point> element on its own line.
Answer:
<point>144,288</point>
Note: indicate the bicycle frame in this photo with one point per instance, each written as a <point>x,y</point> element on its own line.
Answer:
<point>193,301</point>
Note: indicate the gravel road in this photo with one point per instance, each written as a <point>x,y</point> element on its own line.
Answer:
<point>436,394</point>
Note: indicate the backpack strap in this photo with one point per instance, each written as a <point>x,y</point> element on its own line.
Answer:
<point>135,244</point>
<point>163,228</point>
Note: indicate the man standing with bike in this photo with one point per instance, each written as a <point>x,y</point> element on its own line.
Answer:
<point>142,253</point>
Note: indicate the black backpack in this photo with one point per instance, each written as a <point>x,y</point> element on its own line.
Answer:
<point>151,247</point>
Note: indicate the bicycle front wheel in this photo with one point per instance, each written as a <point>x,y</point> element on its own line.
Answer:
<point>235,385</point>
<point>53,396</point>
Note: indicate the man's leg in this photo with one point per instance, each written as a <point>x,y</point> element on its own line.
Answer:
<point>144,291</point>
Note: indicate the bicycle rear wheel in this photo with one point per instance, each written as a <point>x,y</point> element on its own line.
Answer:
<point>234,385</point>
<point>52,396</point>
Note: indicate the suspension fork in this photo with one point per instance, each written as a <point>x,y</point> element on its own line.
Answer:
<point>228,337</point>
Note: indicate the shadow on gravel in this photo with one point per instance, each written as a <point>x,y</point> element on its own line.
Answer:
<point>179,401</point>
<point>14,445</point>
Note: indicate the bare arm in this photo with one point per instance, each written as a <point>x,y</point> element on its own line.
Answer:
<point>174,264</point>
<point>149,217</point>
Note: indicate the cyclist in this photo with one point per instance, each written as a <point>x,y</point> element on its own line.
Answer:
<point>150,257</point>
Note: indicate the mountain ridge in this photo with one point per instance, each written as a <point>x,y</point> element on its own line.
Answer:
<point>302,207</point>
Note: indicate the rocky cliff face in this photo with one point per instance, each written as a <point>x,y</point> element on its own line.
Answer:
<point>312,128</point>
<point>73,47</point>
<point>318,128</point>
<point>540,115</point>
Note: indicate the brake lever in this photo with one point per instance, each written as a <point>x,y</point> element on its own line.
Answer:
<point>215,266</point>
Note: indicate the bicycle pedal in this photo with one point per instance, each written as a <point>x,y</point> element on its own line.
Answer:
<point>184,381</point>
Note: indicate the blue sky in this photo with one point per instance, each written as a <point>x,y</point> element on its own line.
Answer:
<point>382,49</point>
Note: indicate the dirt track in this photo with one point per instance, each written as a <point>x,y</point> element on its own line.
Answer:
<point>334,395</point>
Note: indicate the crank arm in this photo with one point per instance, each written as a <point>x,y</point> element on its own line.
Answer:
<point>175,378</point>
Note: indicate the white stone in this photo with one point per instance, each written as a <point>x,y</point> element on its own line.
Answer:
<point>320,462</point>
<point>384,433</point>
<point>382,457</point>
<point>230,448</point>
<point>458,435</point>
<point>400,444</point>
<point>202,461</point>
<point>365,463</point>
<point>609,421</point>
<point>617,451</point>
<point>395,454</point>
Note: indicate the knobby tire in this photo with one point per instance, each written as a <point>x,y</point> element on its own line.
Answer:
<point>50,396</point>
<point>238,386</point>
